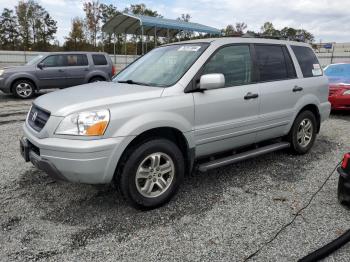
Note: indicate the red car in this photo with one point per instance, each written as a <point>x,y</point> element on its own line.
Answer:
<point>339,85</point>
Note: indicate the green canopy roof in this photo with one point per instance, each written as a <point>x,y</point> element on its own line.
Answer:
<point>133,24</point>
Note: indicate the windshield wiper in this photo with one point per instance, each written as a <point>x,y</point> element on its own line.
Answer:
<point>132,82</point>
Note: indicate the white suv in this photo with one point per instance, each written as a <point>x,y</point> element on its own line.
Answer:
<point>177,107</point>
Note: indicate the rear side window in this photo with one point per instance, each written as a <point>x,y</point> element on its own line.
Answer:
<point>234,62</point>
<point>274,63</point>
<point>99,59</point>
<point>307,60</point>
<point>77,60</point>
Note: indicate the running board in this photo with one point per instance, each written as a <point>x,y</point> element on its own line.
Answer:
<point>242,156</point>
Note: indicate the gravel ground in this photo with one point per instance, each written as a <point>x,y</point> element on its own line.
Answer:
<point>225,214</point>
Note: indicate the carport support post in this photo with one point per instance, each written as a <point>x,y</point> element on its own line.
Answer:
<point>126,58</point>
<point>155,36</point>
<point>114,48</point>
<point>143,51</point>
<point>168,36</point>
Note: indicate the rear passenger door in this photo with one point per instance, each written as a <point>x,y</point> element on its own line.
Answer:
<point>279,89</point>
<point>227,118</point>
<point>77,69</point>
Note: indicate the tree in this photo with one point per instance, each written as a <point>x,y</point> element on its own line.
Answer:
<point>37,28</point>
<point>268,30</point>
<point>23,14</point>
<point>93,17</point>
<point>76,39</point>
<point>185,18</point>
<point>240,27</point>
<point>8,29</point>
<point>107,13</point>
<point>141,9</point>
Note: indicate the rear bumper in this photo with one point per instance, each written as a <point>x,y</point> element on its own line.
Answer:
<point>340,102</point>
<point>344,187</point>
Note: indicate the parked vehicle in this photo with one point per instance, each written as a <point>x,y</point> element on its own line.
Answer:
<point>344,181</point>
<point>339,85</point>
<point>56,70</point>
<point>181,105</point>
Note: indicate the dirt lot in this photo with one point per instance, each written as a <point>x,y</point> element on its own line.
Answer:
<point>226,214</point>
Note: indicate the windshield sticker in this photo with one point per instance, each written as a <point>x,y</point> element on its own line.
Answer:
<point>189,48</point>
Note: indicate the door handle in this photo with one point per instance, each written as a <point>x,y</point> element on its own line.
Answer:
<point>297,89</point>
<point>250,95</point>
<point>60,70</point>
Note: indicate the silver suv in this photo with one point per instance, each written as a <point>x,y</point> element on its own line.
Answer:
<point>184,105</point>
<point>56,70</point>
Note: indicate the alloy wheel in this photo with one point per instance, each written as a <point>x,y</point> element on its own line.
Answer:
<point>155,175</point>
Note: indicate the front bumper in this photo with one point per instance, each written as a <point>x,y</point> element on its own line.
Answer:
<point>3,87</point>
<point>82,161</point>
<point>344,187</point>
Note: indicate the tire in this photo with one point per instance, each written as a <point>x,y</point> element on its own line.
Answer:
<point>23,89</point>
<point>141,172</point>
<point>96,79</point>
<point>303,133</point>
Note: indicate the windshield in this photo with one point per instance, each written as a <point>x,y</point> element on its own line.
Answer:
<point>163,66</point>
<point>35,59</point>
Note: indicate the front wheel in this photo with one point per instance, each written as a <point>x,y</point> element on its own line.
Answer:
<point>152,174</point>
<point>303,133</point>
<point>23,89</point>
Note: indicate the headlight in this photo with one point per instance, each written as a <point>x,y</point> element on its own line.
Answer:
<point>92,123</point>
<point>1,72</point>
<point>347,92</point>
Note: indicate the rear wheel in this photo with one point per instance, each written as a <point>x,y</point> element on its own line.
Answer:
<point>152,174</point>
<point>23,89</point>
<point>303,133</point>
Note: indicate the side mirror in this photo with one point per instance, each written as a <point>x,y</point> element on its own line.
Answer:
<point>41,65</point>
<point>212,81</point>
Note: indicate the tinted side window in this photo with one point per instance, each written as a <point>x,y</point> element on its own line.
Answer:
<point>54,61</point>
<point>77,60</point>
<point>99,59</point>
<point>307,60</point>
<point>234,62</point>
<point>272,64</point>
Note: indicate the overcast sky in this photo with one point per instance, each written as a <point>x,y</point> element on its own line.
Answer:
<point>328,20</point>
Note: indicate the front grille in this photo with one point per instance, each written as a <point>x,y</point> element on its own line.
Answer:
<point>37,118</point>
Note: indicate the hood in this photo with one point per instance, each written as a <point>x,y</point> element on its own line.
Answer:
<point>19,68</point>
<point>94,95</point>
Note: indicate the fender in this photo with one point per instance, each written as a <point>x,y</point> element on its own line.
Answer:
<point>11,79</point>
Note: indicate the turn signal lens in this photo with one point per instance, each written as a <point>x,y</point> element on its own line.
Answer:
<point>97,129</point>
<point>345,162</point>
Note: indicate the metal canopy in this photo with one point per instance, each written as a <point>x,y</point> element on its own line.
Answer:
<point>135,24</point>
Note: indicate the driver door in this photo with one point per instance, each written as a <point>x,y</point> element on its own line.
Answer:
<point>227,118</point>
<point>52,73</point>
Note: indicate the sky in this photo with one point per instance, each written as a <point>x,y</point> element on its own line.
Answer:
<point>328,20</point>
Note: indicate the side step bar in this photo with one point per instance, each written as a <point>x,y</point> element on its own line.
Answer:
<point>242,156</point>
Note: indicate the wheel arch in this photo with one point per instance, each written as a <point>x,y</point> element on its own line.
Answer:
<point>314,109</point>
<point>170,133</point>
<point>13,81</point>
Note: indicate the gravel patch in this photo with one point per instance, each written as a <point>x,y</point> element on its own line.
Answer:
<point>226,214</point>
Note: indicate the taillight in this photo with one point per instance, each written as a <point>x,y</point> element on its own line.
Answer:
<point>114,70</point>
<point>345,161</point>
